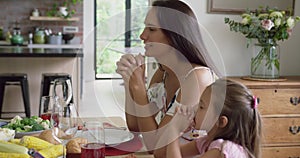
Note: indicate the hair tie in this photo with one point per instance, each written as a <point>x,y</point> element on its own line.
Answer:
<point>255,102</point>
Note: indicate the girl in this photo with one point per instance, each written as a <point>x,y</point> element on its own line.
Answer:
<point>236,132</point>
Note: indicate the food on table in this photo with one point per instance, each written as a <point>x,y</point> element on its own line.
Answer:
<point>35,143</point>
<point>73,146</point>
<point>14,155</point>
<point>34,123</point>
<point>80,127</point>
<point>18,148</point>
<point>48,136</point>
<point>6,134</point>
<point>7,147</point>
<point>11,150</point>
<point>15,141</point>
<point>53,151</point>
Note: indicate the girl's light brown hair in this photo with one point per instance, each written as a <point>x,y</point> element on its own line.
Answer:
<point>244,121</point>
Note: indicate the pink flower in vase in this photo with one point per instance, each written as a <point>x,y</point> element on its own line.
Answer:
<point>289,31</point>
<point>267,24</point>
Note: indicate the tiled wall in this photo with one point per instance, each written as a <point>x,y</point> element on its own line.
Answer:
<point>20,10</point>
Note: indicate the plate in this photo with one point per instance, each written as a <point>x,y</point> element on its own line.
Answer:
<point>3,123</point>
<point>21,134</point>
<point>117,136</point>
<point>112,136</point>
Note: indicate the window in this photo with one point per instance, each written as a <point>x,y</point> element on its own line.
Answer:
<point>118,26</point>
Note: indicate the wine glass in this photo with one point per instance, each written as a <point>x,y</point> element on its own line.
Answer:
<point>47,105</point>
<point>66,128</point>
<point>66,116</point>
<point>68,121</point>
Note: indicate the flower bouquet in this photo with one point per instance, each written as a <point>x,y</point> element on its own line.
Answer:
<point>267,27</point>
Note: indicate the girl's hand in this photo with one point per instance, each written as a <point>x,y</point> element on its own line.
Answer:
<point>188,111</point>
<point>184,118</point>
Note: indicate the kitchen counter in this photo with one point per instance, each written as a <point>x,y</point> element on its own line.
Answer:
<point>24,51</point>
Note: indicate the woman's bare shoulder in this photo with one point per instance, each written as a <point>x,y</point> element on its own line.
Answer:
<point>201,74</point>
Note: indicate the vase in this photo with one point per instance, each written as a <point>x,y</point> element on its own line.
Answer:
<point>265,62</point>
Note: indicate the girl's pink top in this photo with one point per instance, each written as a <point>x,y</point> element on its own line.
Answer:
<point>228,148</point>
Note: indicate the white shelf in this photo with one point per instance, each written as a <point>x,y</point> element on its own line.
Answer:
<point>54,46</point>
<point>46,18</point>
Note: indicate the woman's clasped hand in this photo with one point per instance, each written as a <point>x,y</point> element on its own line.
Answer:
<point>131,68</point>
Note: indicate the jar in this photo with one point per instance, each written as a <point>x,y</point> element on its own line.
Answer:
<point>54,39</point>
<point>39,37</point>
<point>35,13</point>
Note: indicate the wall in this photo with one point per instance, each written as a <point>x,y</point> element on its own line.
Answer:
<point>106,97</point>
<point>20,10</point>
<point>232,45</point>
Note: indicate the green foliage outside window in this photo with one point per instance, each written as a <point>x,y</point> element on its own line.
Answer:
<point>110,49</point>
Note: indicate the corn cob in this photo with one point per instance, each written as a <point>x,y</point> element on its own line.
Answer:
<point>53,152</point>
<point>7,147</point>
<point>34,143</point>
<point>13,155</point>
<point>4,142</point>
<point>15,141</point>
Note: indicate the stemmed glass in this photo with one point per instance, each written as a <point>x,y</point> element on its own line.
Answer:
<point>65,128</point>
<point>47,105</point>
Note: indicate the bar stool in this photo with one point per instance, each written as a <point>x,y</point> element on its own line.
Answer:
<point>15,79</point>
<point>48,80</point>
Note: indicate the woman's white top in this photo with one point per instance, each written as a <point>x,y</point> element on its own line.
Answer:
<point>157,95</point>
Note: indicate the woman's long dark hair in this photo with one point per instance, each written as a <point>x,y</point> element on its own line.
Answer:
<point>180,25</point>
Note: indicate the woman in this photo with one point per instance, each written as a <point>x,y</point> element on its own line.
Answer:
<point>173,38</point>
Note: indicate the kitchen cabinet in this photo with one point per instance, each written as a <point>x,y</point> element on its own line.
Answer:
<point>280,110</point>
<point>34,62</point>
